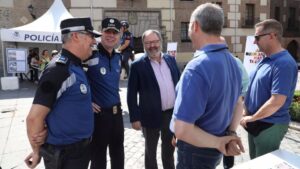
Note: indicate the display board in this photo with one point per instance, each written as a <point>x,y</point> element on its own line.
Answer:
<point>172,49</point>
<point>16,60</point>
<point>252,55</point>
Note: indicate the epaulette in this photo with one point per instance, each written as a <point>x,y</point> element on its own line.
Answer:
<point>61,59</point>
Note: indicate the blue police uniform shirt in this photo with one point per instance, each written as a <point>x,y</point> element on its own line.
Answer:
<point>127,36</point>
<point>104,76</point>
<point>208,90</point>
<point>276,74</point>
<point>64,88</point>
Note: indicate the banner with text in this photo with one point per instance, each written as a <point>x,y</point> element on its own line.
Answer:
<point>252,55</point>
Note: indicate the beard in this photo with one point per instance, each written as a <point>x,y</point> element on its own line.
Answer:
<point>153,52</point>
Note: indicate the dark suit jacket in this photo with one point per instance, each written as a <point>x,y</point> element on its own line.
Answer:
<point>143,94</point>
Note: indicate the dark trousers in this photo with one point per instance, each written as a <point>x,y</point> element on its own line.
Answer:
<point>228,162</point>
<point>108,132</point>
<point>125,57</point>
<point>73,156</point>
<point>151,140</point>
<point>35,74</point>
<point>190,157</point>
<point>125,65</point>
<point>31,74</point>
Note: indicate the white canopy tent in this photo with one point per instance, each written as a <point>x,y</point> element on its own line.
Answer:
<point>45,29</point>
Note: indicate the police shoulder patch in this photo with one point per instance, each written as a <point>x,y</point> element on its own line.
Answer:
<point>61,59</point>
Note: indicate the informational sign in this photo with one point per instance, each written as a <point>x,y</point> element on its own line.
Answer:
<point>172,49</point>
<point>16,60</point>
<point>11,35</point>
<point>252,55</point>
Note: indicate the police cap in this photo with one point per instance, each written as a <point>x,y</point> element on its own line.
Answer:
<point>125,24</point>
<point>111,23</point>
<point>78,24</point>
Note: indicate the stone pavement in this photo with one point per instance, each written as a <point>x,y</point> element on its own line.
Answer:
<point>14,146</point>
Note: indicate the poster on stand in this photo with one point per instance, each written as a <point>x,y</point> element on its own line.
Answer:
<point>252,56</point>
<point>16,60</point>
<point>172,49</point>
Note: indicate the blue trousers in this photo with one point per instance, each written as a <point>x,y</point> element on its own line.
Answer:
<point>191,157</point>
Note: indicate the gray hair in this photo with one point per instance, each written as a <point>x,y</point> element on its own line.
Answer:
<point>271,25</point>
<point>210,17</point>
<point>147,32</point>
<point>65,37</point>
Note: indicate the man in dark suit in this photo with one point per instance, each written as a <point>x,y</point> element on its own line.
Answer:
<point>153,77</point>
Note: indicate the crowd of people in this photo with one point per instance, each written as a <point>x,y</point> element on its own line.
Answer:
<point>37,64</point>
<point>76,114</point>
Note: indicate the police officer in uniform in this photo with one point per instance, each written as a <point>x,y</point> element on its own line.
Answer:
<point>104,75</point>
<point>126,47</point>
<point>63,103</point>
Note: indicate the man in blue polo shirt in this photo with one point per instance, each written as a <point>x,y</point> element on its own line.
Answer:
<point>63,103</point>
<point>270,92</point>
<point>207,93</point>
<point>104,74</point>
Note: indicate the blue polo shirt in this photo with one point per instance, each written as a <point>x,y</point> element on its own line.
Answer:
<point>208,90</point>
<point>276,74</point>
<point>104,76</point>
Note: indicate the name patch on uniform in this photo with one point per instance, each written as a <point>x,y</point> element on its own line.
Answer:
<point>93,62</point>
<point>62,60</point>
<point>103,70</point>
<point>83,89</point>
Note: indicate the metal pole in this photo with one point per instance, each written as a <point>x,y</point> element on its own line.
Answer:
<point>171,21</point>
<point>91,9</point>
<point>235,27</point>
<point>3,58</point>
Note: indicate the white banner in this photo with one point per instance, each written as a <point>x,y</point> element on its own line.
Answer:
<point>11,35</point>
<point>252,55</point>
<point>172,49</point>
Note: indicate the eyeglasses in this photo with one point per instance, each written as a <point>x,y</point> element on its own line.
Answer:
<point>257,37</point>
<point>154,42</point>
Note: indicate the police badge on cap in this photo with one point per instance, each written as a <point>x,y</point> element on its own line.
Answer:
<point>111,23</point>
<point>83,89</point>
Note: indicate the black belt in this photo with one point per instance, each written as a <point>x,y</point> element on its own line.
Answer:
<point>168,110</point>
<point>114,109</point>
<point>80,144</point>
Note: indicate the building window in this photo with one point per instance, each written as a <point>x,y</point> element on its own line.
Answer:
<point>185,32</point>
<point>292,18</point>
<point>225,18</point>
<point>218,3</point>
<point>277,13</point>
<point>249,18</point>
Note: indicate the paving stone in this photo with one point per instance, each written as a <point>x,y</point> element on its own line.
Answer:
<point>14,146</point>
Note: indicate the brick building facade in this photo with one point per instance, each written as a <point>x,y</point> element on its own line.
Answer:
<point>171,17</point>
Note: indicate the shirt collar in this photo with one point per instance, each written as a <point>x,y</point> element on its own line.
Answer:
<point>277,55</point>
<point>104,51</point>
<point>210,48</point>
<point>213,47</point>
<point>71,56</point>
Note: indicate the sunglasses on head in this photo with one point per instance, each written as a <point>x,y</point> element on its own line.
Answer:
<point>257,37</point>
